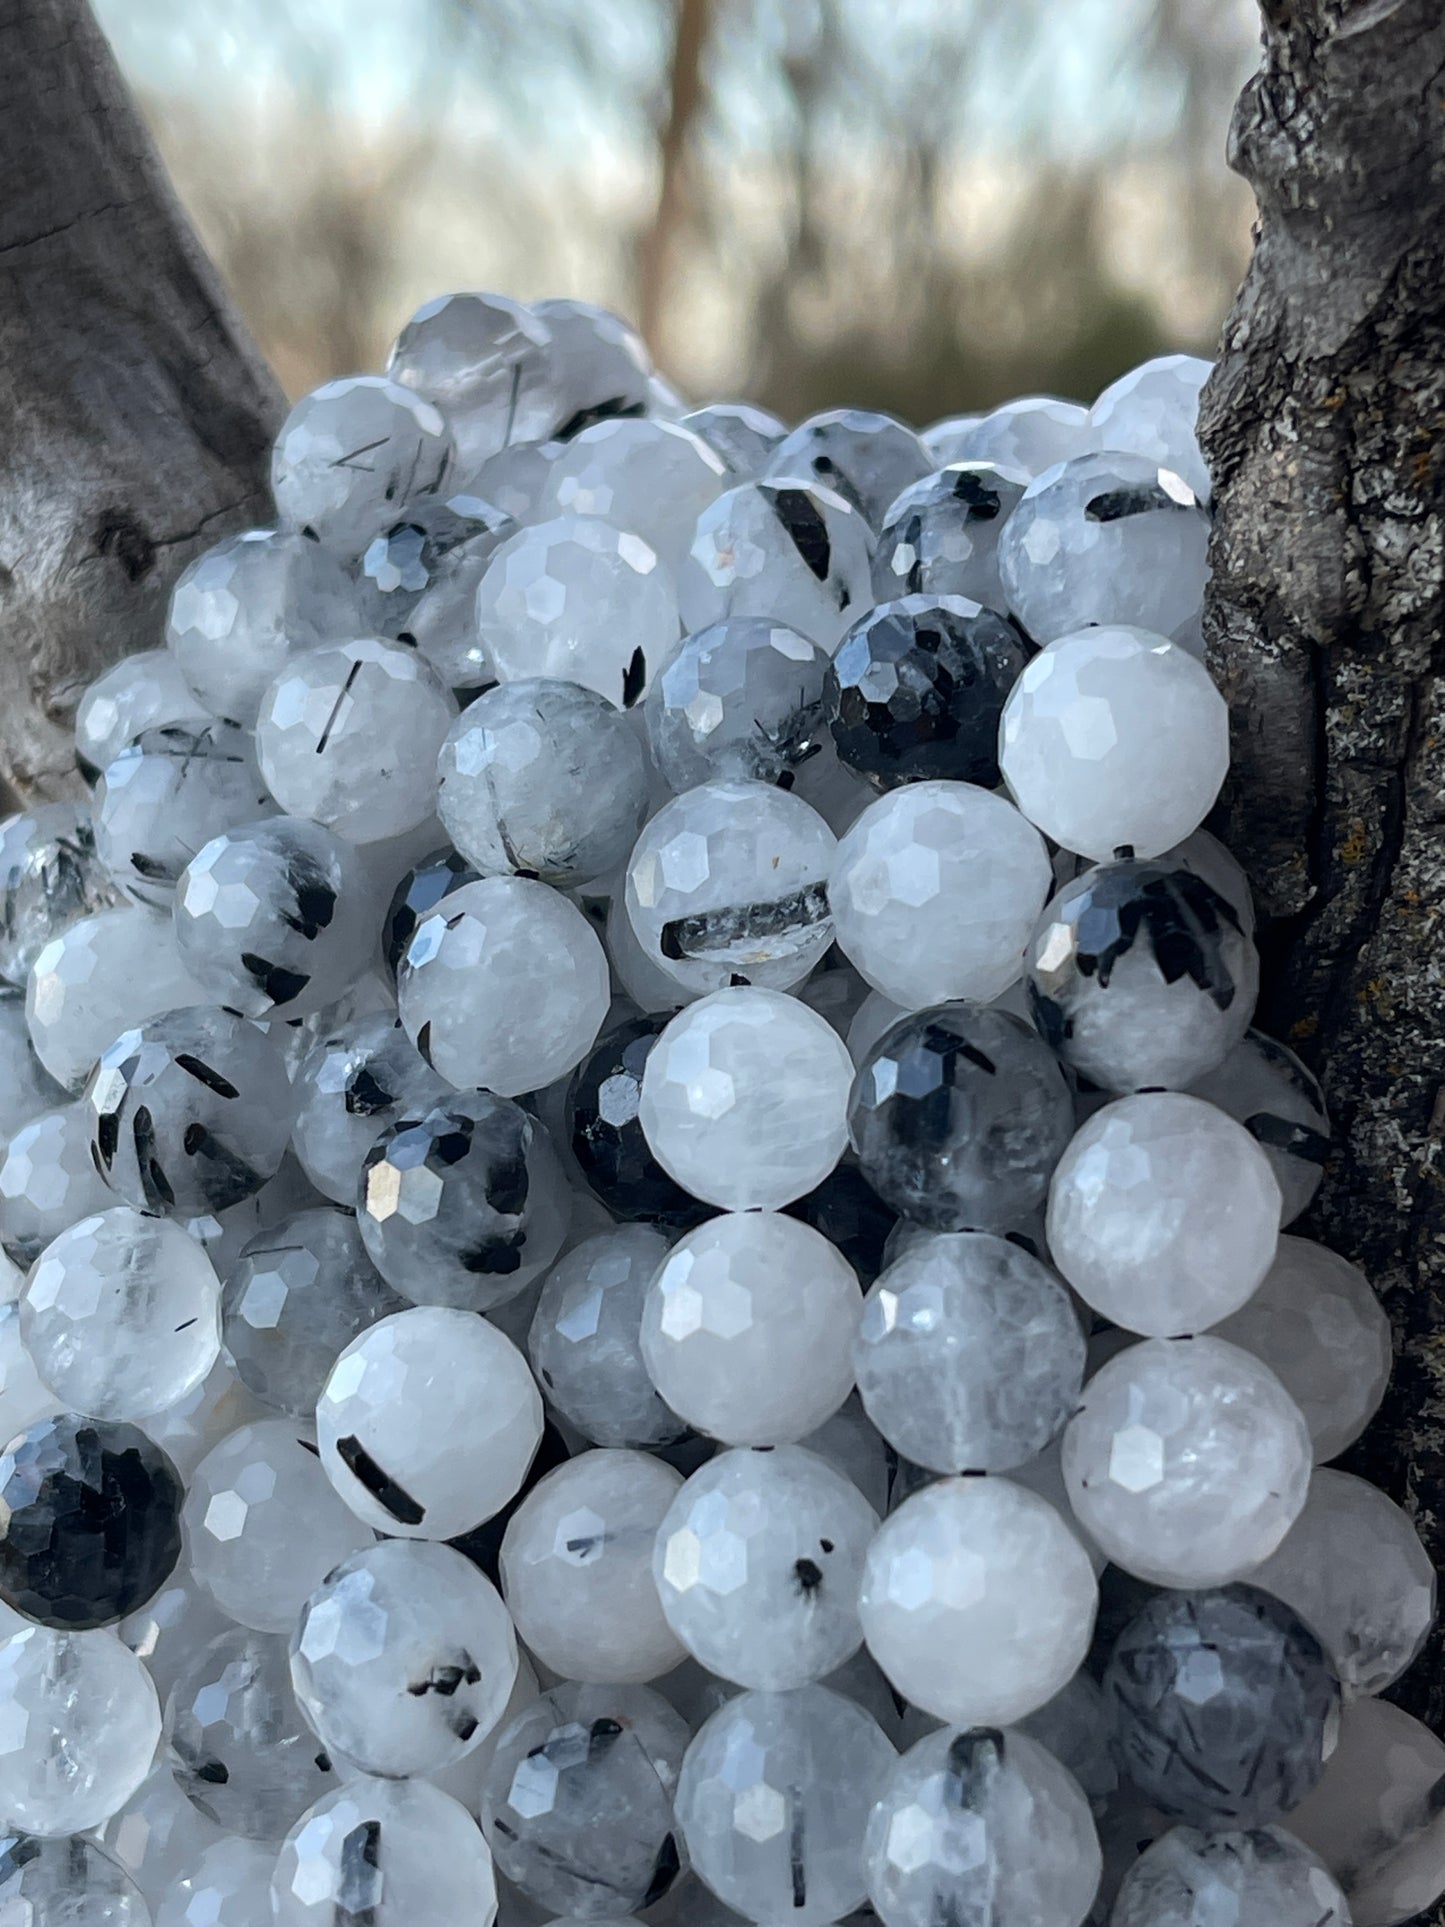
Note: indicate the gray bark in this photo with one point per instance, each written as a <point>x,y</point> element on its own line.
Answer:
<point>136,410</point>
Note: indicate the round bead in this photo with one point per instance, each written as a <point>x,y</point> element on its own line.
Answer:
<point>419,891</point>
<point>653,477</point>
<point>48,1179</point>
<point>757,1565</point>
<point>175,787</point>
<point>935,891</point>
<point>604,1130</point>
<point>970,1355</point>
<point>1188,1461</point>
<point>353,455</point>
<point>80,1731</point>
<point>866,458</point>
<point>1152,411</point>
<point>173,1629</point>
<point>26,1087</point>
<point>745,1098</point>
<point>67,1883</point>
<point>483,360</point>
<point>1264,1874</point>
<point>428,1423</point>
<point>121,1315</point>
<point>397,1850</point>
<point>959,1116</point>
<point>743,435</point>
<point>1163,1214</point>
<point>1224,1706</point>
<point>985,1825</point>
<point>229,1886</point>
<point>1265,1087</point>
<point>23,1398</point>
<point>404,1658</point>
<point>504,986</point>
<point>977,1601</point>
<point>597,366</point>
<point>159,1836</point>
<point>91,1513</point>
<point>774,1796</point>
<point>140,692</point>
<point>1114,742</point>
<point>50,874</point>
<point>741,698</point>
<point>1030,434</point>
<point>748,1328</point>
<point>940,536</point>
<point>788,550</point>
<point>362,1077</point>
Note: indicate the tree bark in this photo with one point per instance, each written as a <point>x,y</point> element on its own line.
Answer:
<point>1324,425</point>
<point>658,249</point>
<point>137,413</point>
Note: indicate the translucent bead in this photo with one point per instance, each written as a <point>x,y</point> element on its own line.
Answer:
<point>1224,1706</point>
<point>1266,1088</point>
<point>758,1562</point>
<point>1152,411</point>
<point>428,1423</point>
<point>275,916</point>
<point>514,478</point>
<point>158,1836</point>
<point>787,550</point>
<point>958,1116</point>
<point>1163,1214</point>
<point>745,1098</point>
<point>850,1443</point>
<point>48,1180</point>
<point>1141,976</point>
<point>423,887</point>
<point>1317,1324</point>
<point>172,789</point>
<point>404,1658</point>
<point>543,779</point>
<point>50,875</point>
<point>432,568</point>
<point>597,365</point>
<point>653,477</point>
<point>748,1328</point>
<point>743,435</point>
<point>986,1826</point>
<point>66,1883</point>
<point>349,734</point>
<point>935,891</point>
<point>229,1886</point>
<point>263,1525</point>
<point>917,687</point>
<point>300,1292</point>
<point>774,1796</point>
<point>729,881</point>
<point>577,1804</point>
<point>121,1314</point>
<point>970,1355</point>
<point>240,1747</point>
<point>140,692</point>
<point>26,1087</point>
<point>23,1398</point>
<point>1265,1874</point>
<point>361,1078</point>
<point>483,361</point>
<point>577,1569</point>
<point>866,458</point>
<point>578,600</point>
<point>81,1726</point>
<point>741,698</point>
<point>1074,1726</point>
<point>1030,434</point>
<point>466,1205</point>
<point>604,1132</point>
<point>940,536</point>
<point>396,1850</point>
<point>977,1601</point>
<point>1114,742</point>
<point>91,1512</point>
<point>353,455</point>
<point>172,1629</point>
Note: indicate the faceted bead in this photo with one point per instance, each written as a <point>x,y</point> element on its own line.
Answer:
<point>159,1837</point>
<point>419,891</point>
<point>300,1292</point>
<point>392,1853</point>
<point>1317,1324</point>
<point>958,1116</point>
<point>172,1630</point>
<point>50,875</point>
<point>940,536</point>
<point>851,1445</point>
<point>866,458</point>
<point>1029,434</point>
<point>26,1087</point>
<point>605,1134</point>
<point>1140,975</point>
<point>787,550</point>
<point>577,1804</point>
<point>851,1215</point>
<point>1264,1874</point>
<point>1152,411</point>
<point>91,1513</point>
<point>585,1341</point>
<point>263,1526</point>
<point>745,1097</point>
<point>229,1886</point>
<point>935,891</point>
<point>1225,1707</point>
<point>48,1180</point>
<point>1074,1726</point>
<point>758,1562</point>
<point>577,1569</point>
<point>464,1206</point>
<point>917,687</point>
<point>171,790</point>
<point>353,455</point>
<point>241,1748</point>
<point>981,1827</point>
<point>576,599</point>
<point>597,367</point>
<point>639,976</point>
<point>425,576</point>
<point>241,609</point>
<point>482,360</point>
<point>81,1725</point>
<point>1188,1461</point>
<point>1266,1088</point>
<point>348,735</point>
<point>404,1658</point>
<point>652,477</point>
<point>977,1601</point>
<point>428,1423</point>
<point>970,1355</point>
<point>744,436</point>
<point>66,1883</point>
<point>748,1328</point>
<point>741,698</point>
<point>361,1078</point>
<point>23,1398</point>
<point>1114,742</point>
<point>189,1429</point>
<point>275,916</point>
<point>140,692</point>
<point>543,779</point>
<point>121,1314</point>
<point>774,1796</point>
<point>1163,1214</point>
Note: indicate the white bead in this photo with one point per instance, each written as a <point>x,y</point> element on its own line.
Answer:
<point>653,477</point>
<point>79,1726</point>
<point>105,974</point>
<point>397,1850</point>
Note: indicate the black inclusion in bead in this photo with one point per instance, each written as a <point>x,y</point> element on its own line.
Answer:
<point>917,688</point>
<point>419,892</point>
<point>606,1134</point>
<point>91,1514</point>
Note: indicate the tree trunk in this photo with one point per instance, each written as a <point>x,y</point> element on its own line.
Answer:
<point>658,250</point>
<point>1324,424</point>
<point>136,411</point>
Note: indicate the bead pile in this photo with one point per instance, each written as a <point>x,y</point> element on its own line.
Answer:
<point>644,1274</point>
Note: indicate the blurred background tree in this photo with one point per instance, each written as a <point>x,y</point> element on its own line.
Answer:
<point>923,205</point>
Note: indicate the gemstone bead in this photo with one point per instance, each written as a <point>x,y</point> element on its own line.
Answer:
<point>1263,1873</point>
<point>81,1725</point>
<point>158,1836</point>
<point>1029,434</point>
<point>482,360</point>
<point>604,1131</point>
<point>788,550</point>
<point>740,698</point>
<point>352,455</point>
<point>138,693</point>
<point>743,435</point>
<point>396,1850</point>
<point>1152,411</point>
<point>229,1886</point>
<point>66,1883</point>
<point>420,891</point>
<point>653,477</point>
<point>598,366</point>
<point>48,1179</point>
<point>940,535</point>
<point>1266,1088</point>
<point>172,789</point>
<point>866,458</point>
<point>26,1087</point>
<point>50,874</point>
<point>362,1077</point>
